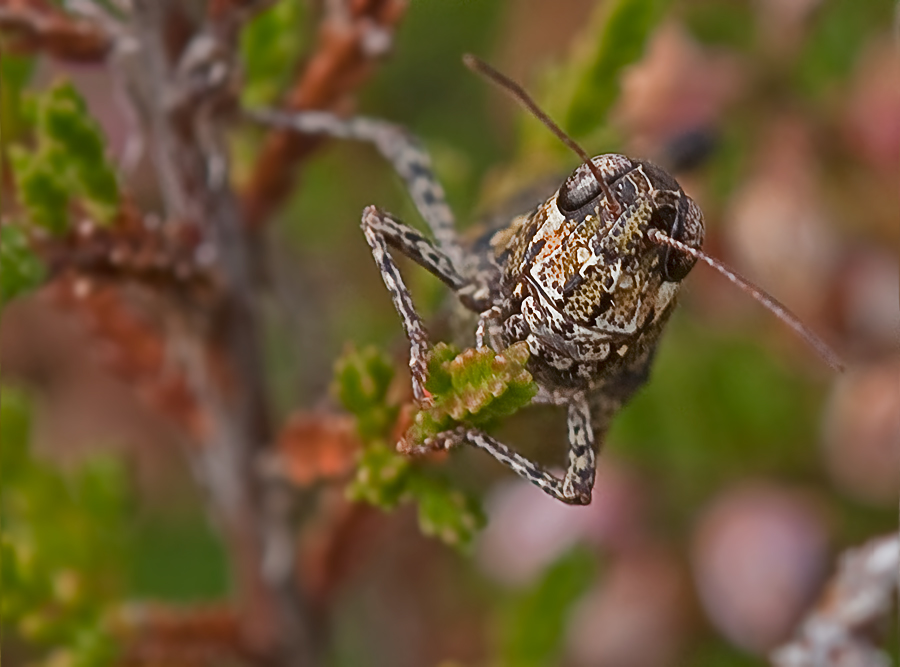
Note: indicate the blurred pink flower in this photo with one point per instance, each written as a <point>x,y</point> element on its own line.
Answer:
<point>872,116</point>
<point>527,529</point>
<point>678,86</point>
<point>862,432</point>
<point>777,225</point>
<point>869,296</point>
<point>638,614</point>
<point>759,553</point>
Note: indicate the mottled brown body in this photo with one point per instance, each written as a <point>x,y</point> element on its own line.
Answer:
<point>579,281</point>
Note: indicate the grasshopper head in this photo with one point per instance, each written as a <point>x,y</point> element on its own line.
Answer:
<point>592,268</point>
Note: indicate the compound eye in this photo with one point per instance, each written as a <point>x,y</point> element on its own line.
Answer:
<point>678,265</point>
<point>664,218</point>
<point>670,221</point>
<point>579,189</point>
<point>624,192</point>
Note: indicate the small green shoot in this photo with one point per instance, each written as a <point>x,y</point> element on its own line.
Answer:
<point>475,387</point>
<point>67,163</point>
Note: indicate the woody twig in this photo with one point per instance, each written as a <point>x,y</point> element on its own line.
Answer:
<point>353,36</point>
<point>37,25</point>
<point>836,633</point>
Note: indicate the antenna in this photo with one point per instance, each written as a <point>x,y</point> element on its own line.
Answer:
<point>776,307</point>
<point>515,91</point>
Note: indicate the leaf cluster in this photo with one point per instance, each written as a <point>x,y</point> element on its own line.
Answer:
<point>62,545</point>
<point>385,478</point>
<point>67,163</point>
<point>473,387</point>
<point>22,269</point>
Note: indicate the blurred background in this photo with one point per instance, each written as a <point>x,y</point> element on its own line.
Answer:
<point>725,489</point>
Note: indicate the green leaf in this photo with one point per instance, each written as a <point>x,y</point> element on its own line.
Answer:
<point>381,478</point>
<point>475,387</point>
<point>621,41</point>
<point>533,625</point>
<point>386,479</point>
<point>64,122</point>
<point>42,190</point>
<point>362,379</point>
<point>61,547</point>
<point>447,513</point>
<point>15,72</point>
<point>270,47</point>
<point>478,386</point>
<point>68,163</point>
<point>439,380</point>
<point>21,269</point>
<point>15,427</point>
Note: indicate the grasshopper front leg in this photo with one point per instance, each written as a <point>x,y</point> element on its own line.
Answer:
<point>399,147</point>
<point>382,233</point>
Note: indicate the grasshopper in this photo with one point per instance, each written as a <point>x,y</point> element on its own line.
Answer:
<point>588,279</point>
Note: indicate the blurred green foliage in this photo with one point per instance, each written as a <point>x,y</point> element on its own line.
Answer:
<point>270,46</point>
<point>579,93</point>
<point>22,268</point>
<point>15,73</point>
<point>533,622</point>
<point>724,24</point>
<point>67,163</point>
<point>63,548</point>
<point>750,414</point>
<point>385,478</point>
<point>841,30</point>
<point>626,25</point>
<point>176,556</point>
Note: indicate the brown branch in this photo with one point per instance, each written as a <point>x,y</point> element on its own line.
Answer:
<point>182,81</point>
<point>90,272</point>
<point>337,545</point>
<point>235,12</point>
<point>313,447</point>
<point>353,36</point>
<point>131,347</point>
<point>860,596</point>
<point>133,250</point>
<point>187,637</point>
<point>38,26</point>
